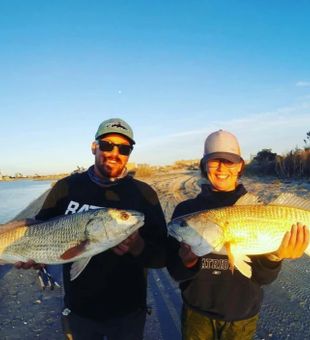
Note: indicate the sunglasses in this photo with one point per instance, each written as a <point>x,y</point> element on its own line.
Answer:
<point>123,149</point>
<point>214,163</point>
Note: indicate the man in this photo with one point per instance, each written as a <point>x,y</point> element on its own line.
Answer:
<point>216,303</point>
<point>109,296</point>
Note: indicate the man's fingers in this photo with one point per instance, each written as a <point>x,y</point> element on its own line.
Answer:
<point>185,246</point>
<point>18,265</point>
<point>117,251</point>
<point>29,264</point>
<point>134,236</point>
<point>121,249</point>
<point>26,265</point>
<point>127,245</point>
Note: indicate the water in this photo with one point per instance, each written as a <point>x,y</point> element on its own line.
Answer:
<point>17,195</point>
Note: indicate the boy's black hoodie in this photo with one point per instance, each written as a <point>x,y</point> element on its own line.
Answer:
<point>210,287</point>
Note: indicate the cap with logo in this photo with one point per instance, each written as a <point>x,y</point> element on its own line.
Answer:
<point>222,144</point>
<point>115,125</point>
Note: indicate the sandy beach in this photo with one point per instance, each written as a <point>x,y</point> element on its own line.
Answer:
<point>28,312</point>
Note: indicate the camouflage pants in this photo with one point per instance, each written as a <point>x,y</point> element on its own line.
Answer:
<point>196,326</point>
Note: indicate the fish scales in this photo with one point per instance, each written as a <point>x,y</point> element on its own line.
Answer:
<point>246,216</point>
<point>255,228</point>
<point>46,242</point>
<point>246,228</point>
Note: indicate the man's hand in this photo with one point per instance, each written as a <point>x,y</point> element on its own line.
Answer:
<point>293,245</point>
<point>188,258</point>
<point>133,244</point>
<point>27,265</point>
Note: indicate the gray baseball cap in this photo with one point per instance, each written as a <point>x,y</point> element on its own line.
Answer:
<point>115,125</point>
<point>222,144</point>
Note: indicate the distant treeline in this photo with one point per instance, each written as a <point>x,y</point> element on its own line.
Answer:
<point>294,164</point>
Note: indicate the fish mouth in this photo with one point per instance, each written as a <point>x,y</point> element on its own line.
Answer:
<point>171,230</point>
<point>139,220</point>
<point>173,233</point>
<point>139,224</point>
<point>179,222</point>
<point>173,227</point>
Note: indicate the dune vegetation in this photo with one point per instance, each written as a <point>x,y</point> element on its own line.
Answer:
<point>294,164</point>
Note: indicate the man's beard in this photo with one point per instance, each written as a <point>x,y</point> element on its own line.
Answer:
<point>111,171</point>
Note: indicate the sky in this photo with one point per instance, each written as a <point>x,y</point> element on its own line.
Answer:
<point>174,70</point>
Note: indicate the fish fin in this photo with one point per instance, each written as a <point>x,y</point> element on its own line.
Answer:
<point>291,200</point>
<point>240,261</point>
<point>249,199</point>
<point>74,251</point>
<point>231,258</point>
<point>16,224</point>
<point>77,267</point>
<point>242,264</point>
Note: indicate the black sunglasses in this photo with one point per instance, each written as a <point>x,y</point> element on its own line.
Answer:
<point>123,149</point>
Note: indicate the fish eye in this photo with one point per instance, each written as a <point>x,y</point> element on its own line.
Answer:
<point>183,223</point>
<point>124,215</point>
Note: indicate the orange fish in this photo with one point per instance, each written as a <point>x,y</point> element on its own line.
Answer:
<point>247,228</point>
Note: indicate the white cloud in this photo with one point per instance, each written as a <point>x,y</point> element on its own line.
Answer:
<point>281,130</point>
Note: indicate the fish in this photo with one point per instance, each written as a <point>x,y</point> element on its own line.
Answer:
<point>69,238</point>
<point>249,227</point>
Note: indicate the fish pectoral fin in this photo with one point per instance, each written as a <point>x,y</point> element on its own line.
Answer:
<point>231,258</point>
<point>77,267</point>
<point>242,264</point>
<point>73,252</point>
<point>240,261</point>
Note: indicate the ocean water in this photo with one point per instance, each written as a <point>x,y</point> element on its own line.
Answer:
<point>17,195</point>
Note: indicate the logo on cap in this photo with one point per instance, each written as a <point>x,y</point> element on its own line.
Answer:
<point>117,125</point>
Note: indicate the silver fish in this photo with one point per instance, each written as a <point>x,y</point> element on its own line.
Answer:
<point>71,238</point>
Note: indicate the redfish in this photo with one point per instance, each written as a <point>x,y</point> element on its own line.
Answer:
<point>247,228</point>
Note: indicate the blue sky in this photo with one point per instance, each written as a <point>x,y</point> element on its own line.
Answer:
<point>174,70</point>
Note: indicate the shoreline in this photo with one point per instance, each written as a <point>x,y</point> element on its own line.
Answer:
<point>56,177</point>
<point>34,178</point>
